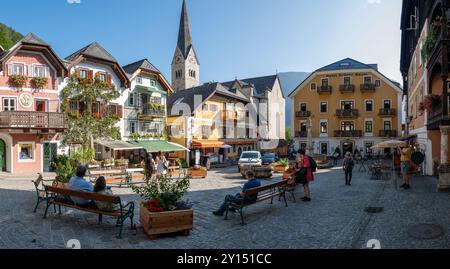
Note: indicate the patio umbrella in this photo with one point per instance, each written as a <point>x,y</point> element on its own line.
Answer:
<point>389,145</point>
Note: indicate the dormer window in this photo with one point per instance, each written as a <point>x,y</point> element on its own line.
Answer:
<point>152,83</point>
<point>139,80</point>
<point>39,71</point>
<point>16,69</point>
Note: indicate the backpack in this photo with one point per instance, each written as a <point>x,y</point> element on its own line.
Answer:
<point>313,164</point>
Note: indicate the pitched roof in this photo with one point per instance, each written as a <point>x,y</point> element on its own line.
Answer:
<point>347,64</point>
<point>34,40</point>
<point>184,33</point>
<point>261,84</point>
<point>142,64</point>
<point>94,50</point>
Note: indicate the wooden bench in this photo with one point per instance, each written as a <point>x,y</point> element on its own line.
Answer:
<point>124,211</point>
<point>263,193</point>
<point>112,177</point>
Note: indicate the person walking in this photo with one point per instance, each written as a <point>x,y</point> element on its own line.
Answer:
<point>304,174</point>
<point>149,165</point>
<point>348,166</point>
<point>404,166</point>
<point>161,165</point>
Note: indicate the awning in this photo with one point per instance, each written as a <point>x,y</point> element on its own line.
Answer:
<point>159,146</point>
<point>202,144</point>
<point>118,145</point>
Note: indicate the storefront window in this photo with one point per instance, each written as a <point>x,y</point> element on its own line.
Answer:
<point>26,152</point>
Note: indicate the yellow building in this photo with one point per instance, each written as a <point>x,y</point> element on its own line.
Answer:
<point>351,105</point>
<point>211,120</point>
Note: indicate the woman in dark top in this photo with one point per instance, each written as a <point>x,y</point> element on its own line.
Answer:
<point>149,165</point>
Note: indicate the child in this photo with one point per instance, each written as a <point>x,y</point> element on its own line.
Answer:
<point>100,188</point>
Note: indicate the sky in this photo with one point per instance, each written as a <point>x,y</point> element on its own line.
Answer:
<point>233,38</point>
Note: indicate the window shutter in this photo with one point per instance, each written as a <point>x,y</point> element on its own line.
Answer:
<point>109,79</point>
<point>91,74</point>
<point>47,71</point>
<point>77,72</point>
<point>101,109</point>
<point>10,69</point>
<point>119,111</point>
<point>28,70</point>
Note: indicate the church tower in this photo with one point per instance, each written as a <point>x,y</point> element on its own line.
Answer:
<point>185,65</point>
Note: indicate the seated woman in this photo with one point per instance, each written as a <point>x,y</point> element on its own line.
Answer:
<point>100,188</point>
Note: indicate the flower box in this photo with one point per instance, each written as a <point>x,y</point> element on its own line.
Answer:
<point>197,173</point>
<point>156,223</point>
<point>279,168</point>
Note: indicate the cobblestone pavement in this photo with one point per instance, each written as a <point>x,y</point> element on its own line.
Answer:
<point>334,219</point>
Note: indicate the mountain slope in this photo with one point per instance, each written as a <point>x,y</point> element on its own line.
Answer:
<point>8,37</point>
<point>289,81</point>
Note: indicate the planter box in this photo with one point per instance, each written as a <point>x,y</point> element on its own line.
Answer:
<point>280,169</point>
<point>93,166</point>
<point>197,173</point>
<point>156,223</point>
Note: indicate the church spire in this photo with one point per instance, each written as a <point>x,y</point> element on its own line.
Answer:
<point>184,34</point>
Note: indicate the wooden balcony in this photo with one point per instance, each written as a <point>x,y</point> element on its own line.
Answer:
<point>347,113</point>
<point>43,121</point>
<point>388,133</point>
<point>324,89</point>
<point>149,112</point>
<point>348,133</point>
<point>347,88</point>
<point>437,117</point>
<point>367,87</point>
<point>388,112</point>
<point>303,114</point>
<point>301,134</point>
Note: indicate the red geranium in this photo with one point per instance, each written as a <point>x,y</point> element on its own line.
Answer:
<point>153,205</point>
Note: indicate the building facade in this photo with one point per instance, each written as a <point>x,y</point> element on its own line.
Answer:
<point>347,105</point>
<point>30,119</point>
<point>431,18</point>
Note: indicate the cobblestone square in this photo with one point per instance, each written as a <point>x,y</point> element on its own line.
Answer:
<point>335,219</point>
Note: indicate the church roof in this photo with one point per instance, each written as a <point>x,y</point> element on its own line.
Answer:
<point>184,33</point>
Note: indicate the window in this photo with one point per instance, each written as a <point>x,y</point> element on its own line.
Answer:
<point>41,105</point>
<point>367,80</point>
<point>420,49</point>
<point>387,125</point>
<point>83,73</point>
<point>178,74</point>
<point>346,105</point>
<point>16,69</point>
<point>205,107</point>
<point>369,127</point>
<point>323,107</point>
<point>102,77</point>
<point>347,81</point>
<point>132,127</point>
<point>213,107</point>
<point>152,83</point>
<point>377,83</point>
<point>324,148</point>
<point>313,86</point>
<point>131,99</point>
<point>206,131</point>
<point>73,106</point>
<point>347,126</point>
<point>192,73</point>
<point>325,82</point>
<point>324,127</point>
<point>26,152</point>
<point>139,80</point>
<point>303,127</point>
<point>39,71</point>
<point>303,107</point>
<point>369,106</point>
<point>9,104</point>
<point>95,108</point>
<point>368,146</point>
<point>387,104</point>
<point>113,109</point>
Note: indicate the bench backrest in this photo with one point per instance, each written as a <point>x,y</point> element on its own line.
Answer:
<point>265,188</point>
<point>85,195</point>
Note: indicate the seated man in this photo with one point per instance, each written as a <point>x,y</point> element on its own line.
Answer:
<point>78,183</point>
<point>250,184</point>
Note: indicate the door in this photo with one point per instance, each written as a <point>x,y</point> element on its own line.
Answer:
<point>324,148</point>
<point>50,152</point>
<point>2,156</point>
<point>41,105</point>
<point>347,147</point>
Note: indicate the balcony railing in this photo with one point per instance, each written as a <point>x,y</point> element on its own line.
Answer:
<point>324,89</point>
<point>348,133</point>
<point>32,120</point>
<point>150,110</point>
<point>347,88</point>
<point>303,114</point>
<point>347,113</point>
<point>388,133</point>
<point>387,112</point>
<point>301,134</point>
<point>366,87</point>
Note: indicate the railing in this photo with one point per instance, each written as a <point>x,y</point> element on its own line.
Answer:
<point>32,120</point>
<point>388,133</point>
<point>387,112</point>
<point>436,113</point>
<point>303,114</point>
<point>301,134</point>
<point>347,88</point>
<point>324,89</point>
<point>348,133</point>
<point>366,87</point>
<point>149,110</point>
<point>347,113</point>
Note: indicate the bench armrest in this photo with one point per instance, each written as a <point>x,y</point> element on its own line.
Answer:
<point>129,206</point>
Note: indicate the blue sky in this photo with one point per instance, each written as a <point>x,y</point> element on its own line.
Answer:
<point>232,38</point>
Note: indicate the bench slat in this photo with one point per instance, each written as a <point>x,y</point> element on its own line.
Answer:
<point>85,195</point>
<point>115,213</point>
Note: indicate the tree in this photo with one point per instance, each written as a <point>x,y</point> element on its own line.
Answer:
<point>8,37</point>
<point>288,136</point>
<point>84,126</point>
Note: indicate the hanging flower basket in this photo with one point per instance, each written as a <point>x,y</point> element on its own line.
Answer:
<point>39,82</point>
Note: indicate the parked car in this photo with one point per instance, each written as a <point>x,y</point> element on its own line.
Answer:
<point>269,158</point>
<point>249,158</point>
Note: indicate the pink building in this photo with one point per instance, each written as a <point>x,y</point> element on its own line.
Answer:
<point>30,122</point>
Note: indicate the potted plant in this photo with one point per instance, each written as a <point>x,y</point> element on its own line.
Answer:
<point>281,166</point>
<point>64,169</point>
<point>18,81</point>
<point>163,209</point>
<point>198,171</point>
<point>108,162</point>
<point>93,164</point>
<point>121,162</point>
<point>39,82</point>
<point>135,136</point>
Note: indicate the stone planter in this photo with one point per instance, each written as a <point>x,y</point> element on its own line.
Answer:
<point>156,223</point>
<point>197,173</point>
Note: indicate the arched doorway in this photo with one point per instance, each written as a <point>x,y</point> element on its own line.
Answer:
<point>347,146</point>
<point>2,155</point>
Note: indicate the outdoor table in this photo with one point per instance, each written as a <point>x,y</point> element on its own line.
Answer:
<point>363,166</point>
